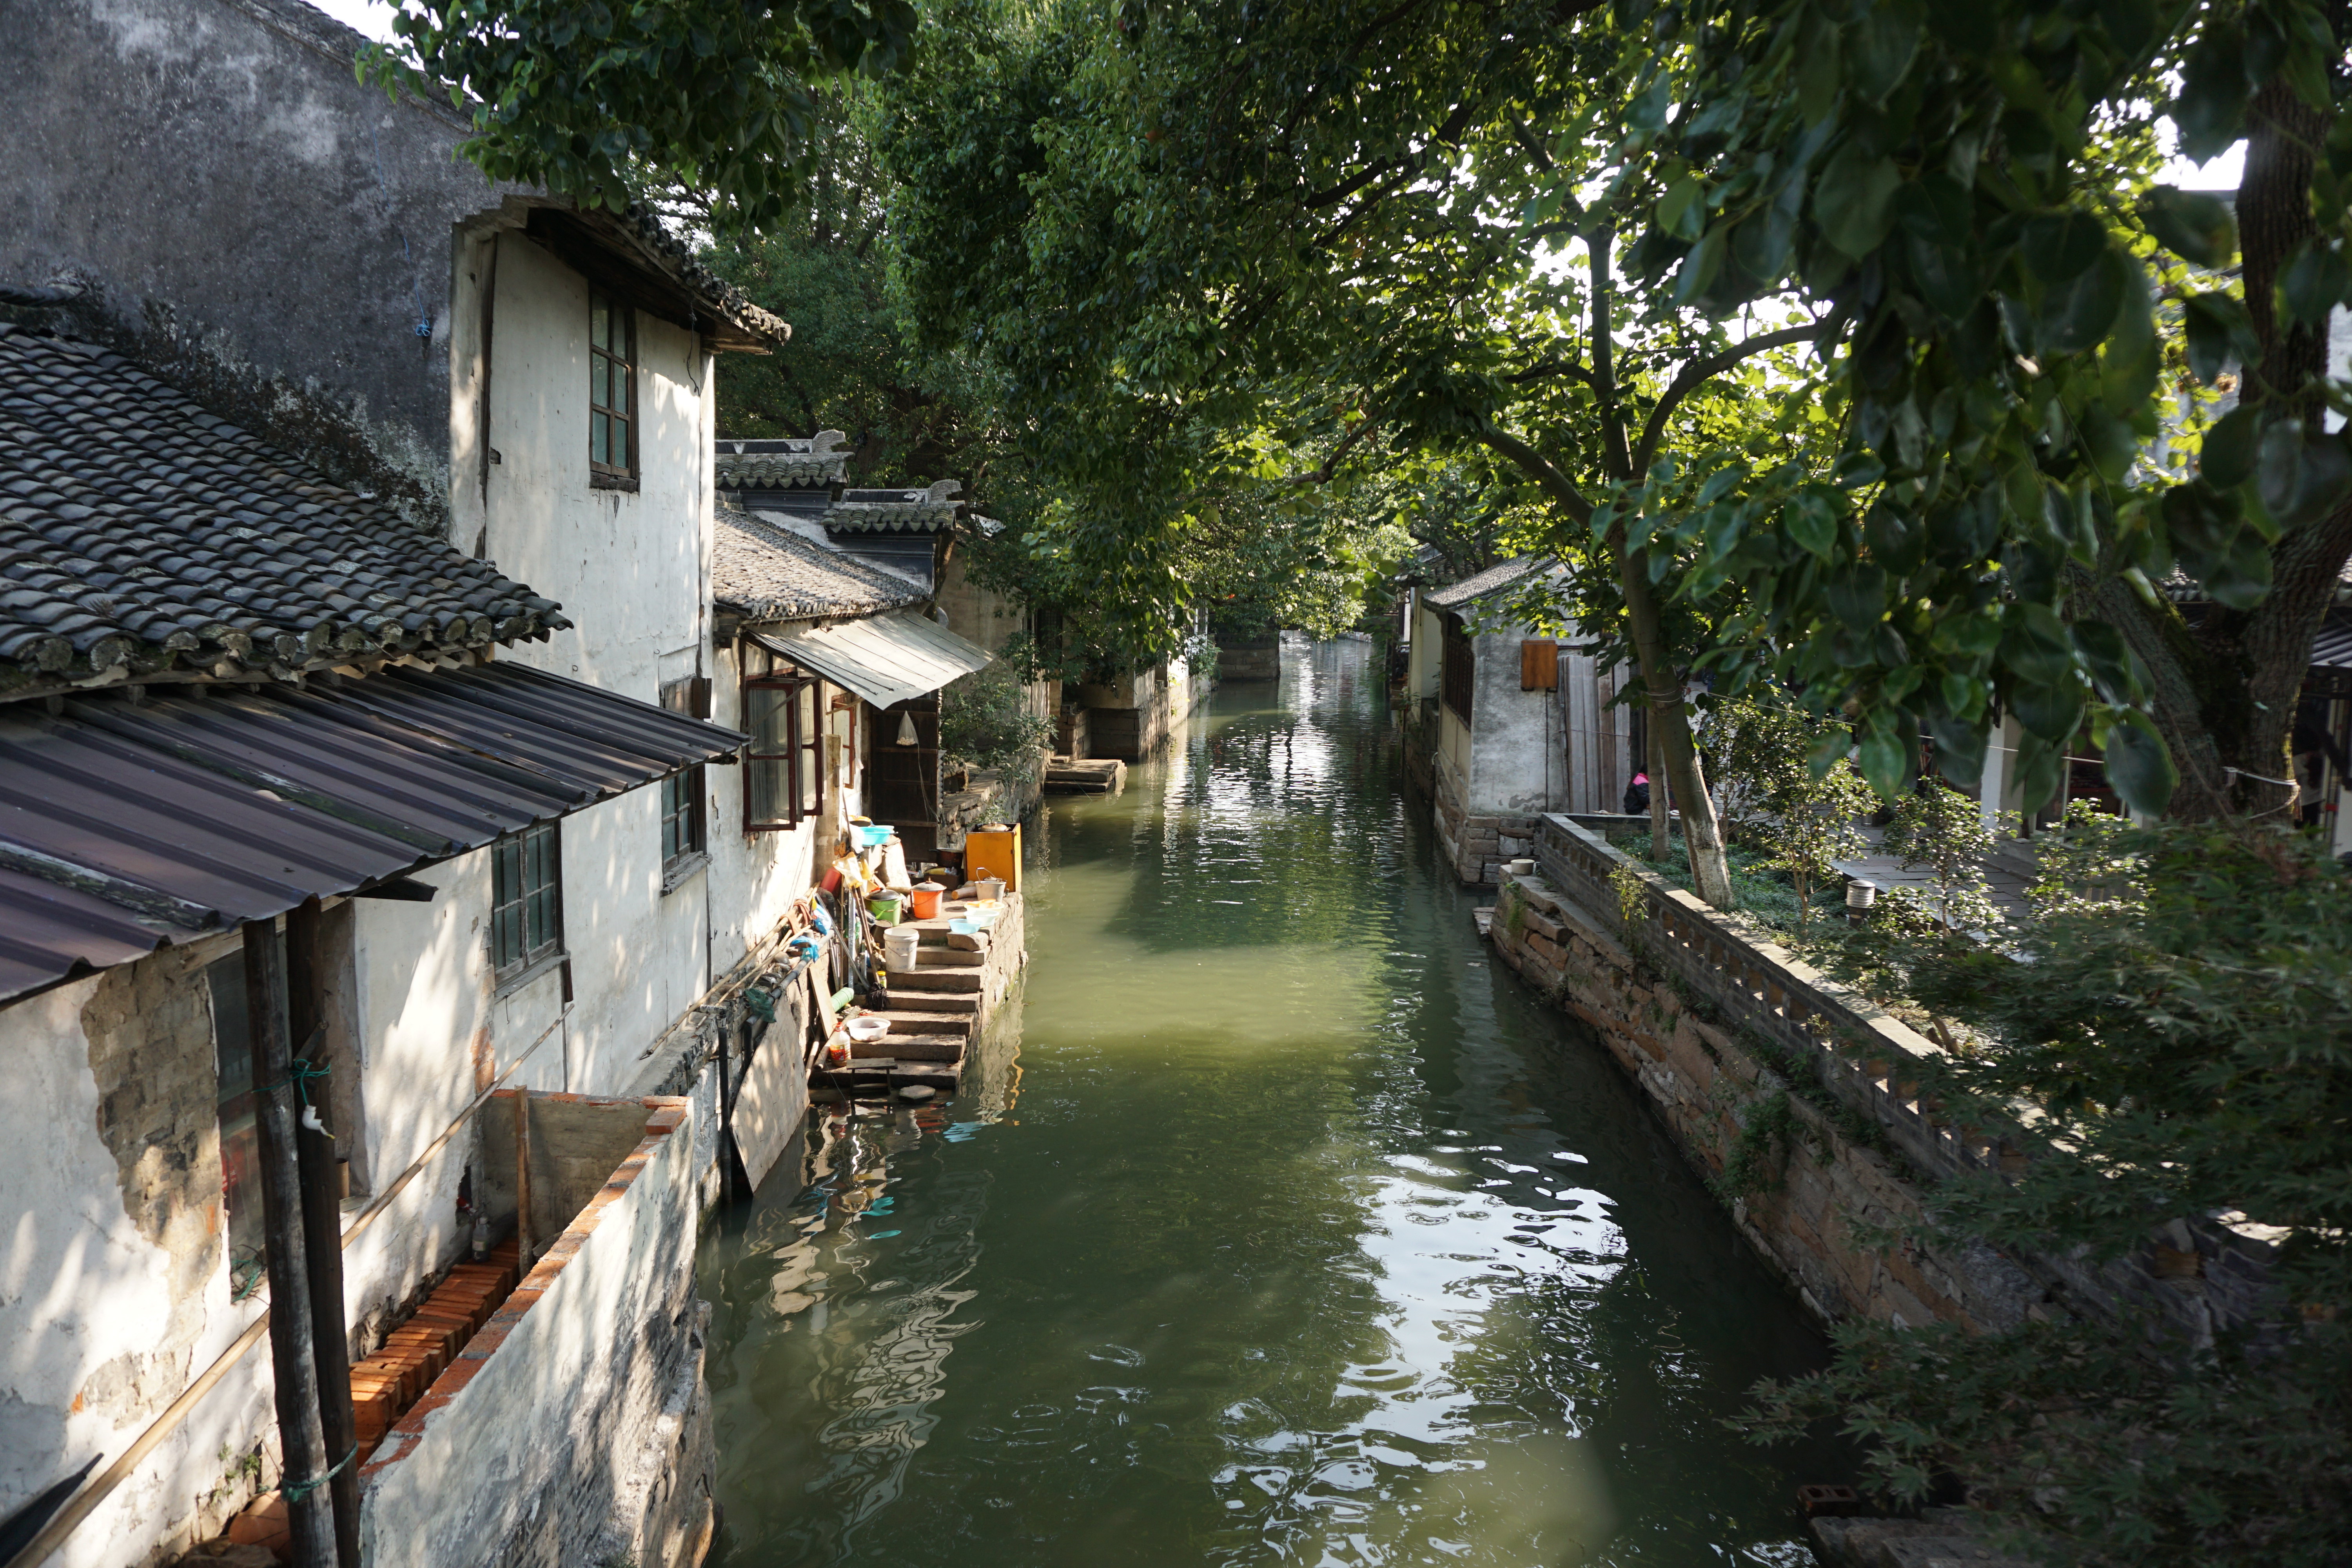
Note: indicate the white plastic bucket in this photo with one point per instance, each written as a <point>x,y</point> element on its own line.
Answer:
<point>899,944</point>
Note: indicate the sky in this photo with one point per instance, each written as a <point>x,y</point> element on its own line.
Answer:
<point>370,16</point>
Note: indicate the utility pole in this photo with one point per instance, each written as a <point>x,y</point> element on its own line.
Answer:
<point>322,1223</point>
<point>293,1354</point>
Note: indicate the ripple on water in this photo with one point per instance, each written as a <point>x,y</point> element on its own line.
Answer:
<point>1276,1227</point>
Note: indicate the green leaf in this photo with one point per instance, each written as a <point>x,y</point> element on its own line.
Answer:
<point>2209,111</point>
<point>2301,472</point>
<point>1648,110</point>
<point>1857,596</point>
<point>2112,669</point>
<point>1827,750</point>
<point>1699,267</point>
<point>1818,74</point>
<point>2078,314</point>
<point>1960,748</point>
<point>2226,461</point>
<point>1883,46</point>
<point>2059,246</point>
<point>2053,712</point>
<point>2139,763</point>
<point>1682,212</point>
<point>2218,330</point>
<point>1884,759</point>
<point>2193,226</point>
<point>1812,520</point>
<point>2312,284</point>
<point>1852,201</point>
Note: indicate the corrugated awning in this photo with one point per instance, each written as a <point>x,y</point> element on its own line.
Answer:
<point>125,824</point>
<point>886,659</point>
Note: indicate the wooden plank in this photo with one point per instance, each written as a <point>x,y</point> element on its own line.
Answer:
<point>769,1105</point>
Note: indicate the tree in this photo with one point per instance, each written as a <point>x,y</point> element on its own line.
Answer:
<point>1193,242</point>
<point>1944,831</point>
<point>612,101</point>
<point>1965,192</point>
<point>1804,820</point>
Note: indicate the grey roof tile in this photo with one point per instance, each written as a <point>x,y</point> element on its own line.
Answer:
<point>142,532</point>
<point>781,462</point>
<point>1482,584</point>
<point>767,573</point>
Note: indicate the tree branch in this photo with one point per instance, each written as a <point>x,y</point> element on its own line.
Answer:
<point>1454,125</point>
<point>1322,476</point>
<point>1556,367</point>
<point>1538,467</point>
<point>1697,374</point>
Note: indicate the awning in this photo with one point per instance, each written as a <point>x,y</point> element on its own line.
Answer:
<point>886,659</point>
<point>125,824</point>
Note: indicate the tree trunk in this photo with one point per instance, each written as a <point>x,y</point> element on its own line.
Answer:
<point>1710,870</point>
<point>1654,760</point>
<point>2226,686</point>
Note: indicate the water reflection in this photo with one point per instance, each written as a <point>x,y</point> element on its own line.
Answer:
<point>1276,1227</point>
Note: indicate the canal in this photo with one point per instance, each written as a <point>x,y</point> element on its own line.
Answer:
<point>1278,1223</point>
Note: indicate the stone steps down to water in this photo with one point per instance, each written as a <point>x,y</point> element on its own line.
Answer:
<point>933,1010</point>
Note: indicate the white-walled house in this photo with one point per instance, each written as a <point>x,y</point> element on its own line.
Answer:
<point>274,683</point>
<point>1504,724</point>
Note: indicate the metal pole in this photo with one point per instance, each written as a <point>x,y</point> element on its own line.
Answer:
<point>322,1226</point>
<point>310,1516</point>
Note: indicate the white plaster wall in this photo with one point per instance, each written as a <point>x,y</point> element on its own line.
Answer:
<point>632,572</point>
<point>81,1287</point>
<point>1421,663</point>
<point>1517,762</point>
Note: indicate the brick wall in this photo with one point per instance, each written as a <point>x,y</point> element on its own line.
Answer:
<point>1821,1188</point>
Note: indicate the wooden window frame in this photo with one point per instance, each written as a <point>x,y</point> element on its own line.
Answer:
<point>1458,668</point>
<point>602,472</point>
<point>514,857</point>
<point>686,834</point>
<point>802,758</point>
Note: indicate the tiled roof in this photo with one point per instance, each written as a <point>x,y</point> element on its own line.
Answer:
<point>767,573</point>
<point>1483,584</point>
<point>139,531</point>
<point>895,511</point>
<point>782,462</point>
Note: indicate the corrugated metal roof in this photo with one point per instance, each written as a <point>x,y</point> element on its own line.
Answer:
<point>126,825</point>
<point>885,659</point>
<point>2332,650</point>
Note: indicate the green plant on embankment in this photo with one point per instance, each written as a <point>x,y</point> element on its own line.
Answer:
<point>1766,894</point>
<point>2187,1042</point>
<point>1758,1160</point>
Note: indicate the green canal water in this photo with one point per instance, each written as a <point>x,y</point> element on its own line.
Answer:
<point>1276,1224</point>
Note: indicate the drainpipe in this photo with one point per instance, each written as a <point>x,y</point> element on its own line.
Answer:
<point>322,1223</point>
<point>293,1354</point>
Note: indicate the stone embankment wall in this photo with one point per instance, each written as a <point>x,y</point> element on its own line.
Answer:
<point>1803,1102</point>
<point>1809,1188</point>
<point>1476,844</point>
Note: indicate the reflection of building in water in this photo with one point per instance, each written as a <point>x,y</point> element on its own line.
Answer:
<point>882,1364</point>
